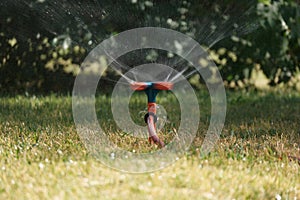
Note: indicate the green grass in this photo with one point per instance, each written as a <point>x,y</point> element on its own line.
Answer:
<point>42,157</point>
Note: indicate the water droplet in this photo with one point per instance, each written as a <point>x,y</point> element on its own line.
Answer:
<point>59,152</point>
<point>112,155</point>
<point>41,165</point>
<point>278,197</point>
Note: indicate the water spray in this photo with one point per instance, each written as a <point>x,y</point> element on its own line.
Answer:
<point>150,79</point>
<point>87,23</point>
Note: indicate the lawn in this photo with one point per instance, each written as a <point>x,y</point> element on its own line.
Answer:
<point>42,157</point>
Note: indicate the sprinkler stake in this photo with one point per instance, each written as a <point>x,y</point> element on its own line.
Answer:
<point>151,89</point>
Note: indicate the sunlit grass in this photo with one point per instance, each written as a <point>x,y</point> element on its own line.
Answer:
<point>42,157</point>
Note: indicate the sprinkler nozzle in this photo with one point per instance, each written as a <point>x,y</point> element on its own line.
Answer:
<point>140,86</point>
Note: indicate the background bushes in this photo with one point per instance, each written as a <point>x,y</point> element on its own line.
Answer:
<point>43,42</point>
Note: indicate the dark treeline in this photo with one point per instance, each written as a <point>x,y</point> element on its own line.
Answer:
<point>43,42</point>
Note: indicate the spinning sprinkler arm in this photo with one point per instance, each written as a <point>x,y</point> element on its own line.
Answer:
<point>151,89</point>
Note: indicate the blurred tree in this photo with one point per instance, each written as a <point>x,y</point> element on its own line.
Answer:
<point>43,42</point>
<point>274,47</point>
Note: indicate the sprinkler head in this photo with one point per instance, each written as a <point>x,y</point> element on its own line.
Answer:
<point>151,89</point>
<point>141,86</point>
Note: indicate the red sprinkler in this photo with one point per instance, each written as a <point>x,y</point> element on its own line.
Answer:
<point>151,89</point>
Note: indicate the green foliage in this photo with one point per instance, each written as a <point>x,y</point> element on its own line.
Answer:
<point>281,23</point>
<point>43,43</point>
<point>274,48</point>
